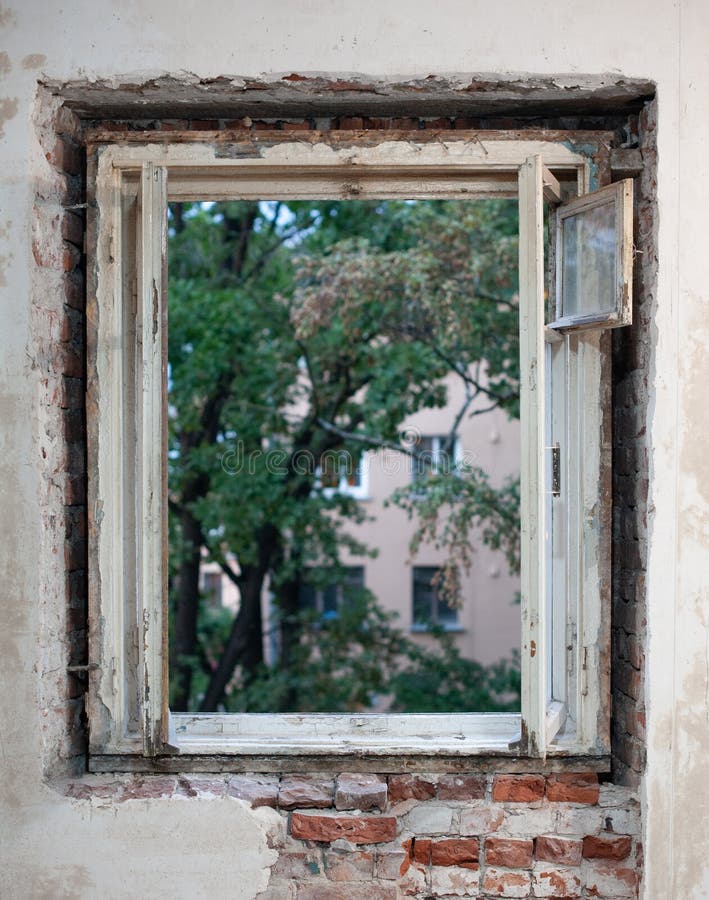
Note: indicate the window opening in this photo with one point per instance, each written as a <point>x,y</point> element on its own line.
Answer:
<point>343,401</point>
<point>431,608</point>
<point>564,552</point>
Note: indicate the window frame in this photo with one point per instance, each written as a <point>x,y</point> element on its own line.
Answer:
<point>126,402</point>
<point>435,621</point>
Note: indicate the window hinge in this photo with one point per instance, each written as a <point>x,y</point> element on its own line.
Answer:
<point>555,470</point>
<point>584,673</point>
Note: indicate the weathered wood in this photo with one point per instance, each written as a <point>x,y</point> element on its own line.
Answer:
<point>390,764</point>
<point>463,166</point>
<point>532,438</point>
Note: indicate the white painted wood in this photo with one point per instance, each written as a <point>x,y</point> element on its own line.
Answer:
<point>457,734</point>
<point>555,720</point>
<point>552,188</point>
<point>620,196</point>
<point>532,440</point>
<point>129,407</point>
<point>152,455</point>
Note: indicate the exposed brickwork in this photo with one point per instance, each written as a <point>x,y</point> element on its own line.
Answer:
<point>631,366</point>
<point>585,850</point>
<point>518,788</point>
<point>360,792</point>
<point>59,354</point>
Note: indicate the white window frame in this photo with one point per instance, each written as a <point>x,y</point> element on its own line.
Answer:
<point>355,491</point>
<point>128,712</point>
<point>423,627</point>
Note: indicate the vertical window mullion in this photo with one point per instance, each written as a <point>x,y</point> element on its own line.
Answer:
<point>151,484</point>
<point>532,469</point>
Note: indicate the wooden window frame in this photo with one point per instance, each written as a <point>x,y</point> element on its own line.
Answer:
<point>128,712</point>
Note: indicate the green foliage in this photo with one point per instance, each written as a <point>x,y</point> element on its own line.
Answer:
<point>307,327</point>
<point>440,680</point>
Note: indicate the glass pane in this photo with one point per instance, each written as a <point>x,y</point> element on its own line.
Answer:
<point>589,262</point>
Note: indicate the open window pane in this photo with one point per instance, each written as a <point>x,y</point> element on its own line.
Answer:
<point>588,275</point>
<point>594,259</point>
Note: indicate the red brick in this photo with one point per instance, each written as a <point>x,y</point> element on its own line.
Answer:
<point>410,787</point>
<point>509,853</point>
<point>616,847</point>
<point>518,788</point>
<point>204,125</point>
<point>409,124</point>
<point>74,292</point>
<point>360,792</point>
<point>607,880</point>
<point>506,884</point>
<point>462,852</point>
<point>461,787</point>
<point>552,882</point>
<point>573,787</point>
<point>256,791</point>
<point>72,228</point>
<point>86,789</point>
<point>75,490</point>
<point>305,793</point>
<point>356,829</point>
<point>65,156</point>
<point>149,788</point>
<point>351,122</point>
<point>194,785</point>
<point>558,850</point>
<point>419,849</point>
<point>71,257</point>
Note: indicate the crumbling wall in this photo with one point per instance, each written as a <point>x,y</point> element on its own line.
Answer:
<point>343,835</point>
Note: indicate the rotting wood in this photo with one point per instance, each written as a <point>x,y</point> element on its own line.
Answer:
<point>355,762</point>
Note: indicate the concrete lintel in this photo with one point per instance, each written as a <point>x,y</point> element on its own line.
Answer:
<point>298,95</point>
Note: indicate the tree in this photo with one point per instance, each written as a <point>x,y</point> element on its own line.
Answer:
<point>298,330</point>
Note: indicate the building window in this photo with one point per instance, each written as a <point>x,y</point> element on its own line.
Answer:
<point>328,598</point>
<point>429,607</point>
<point>341,472</point>
<point>434,454</point>
<point>565,533</point>
<point>212,588</point>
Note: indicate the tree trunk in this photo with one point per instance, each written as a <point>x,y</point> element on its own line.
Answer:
<point>245,644</point>
<point>184,645</point>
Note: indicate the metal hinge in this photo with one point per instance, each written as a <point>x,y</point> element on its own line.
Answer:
<point>555,470</point>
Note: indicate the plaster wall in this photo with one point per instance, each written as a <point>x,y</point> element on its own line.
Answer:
<point>53,847</point>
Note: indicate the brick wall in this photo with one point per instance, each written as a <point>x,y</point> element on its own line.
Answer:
<point>384,837</point>
<point>631,355</point>
<point>59,351</point>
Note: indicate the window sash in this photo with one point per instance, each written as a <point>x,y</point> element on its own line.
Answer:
<point>455,168</point>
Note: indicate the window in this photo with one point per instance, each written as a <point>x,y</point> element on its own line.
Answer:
<point>434,453</point>
<point>428,606</point>
<point>340,472</point>
<point>565,570</point>
<point>212,588</point>
<point>329,598</point>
